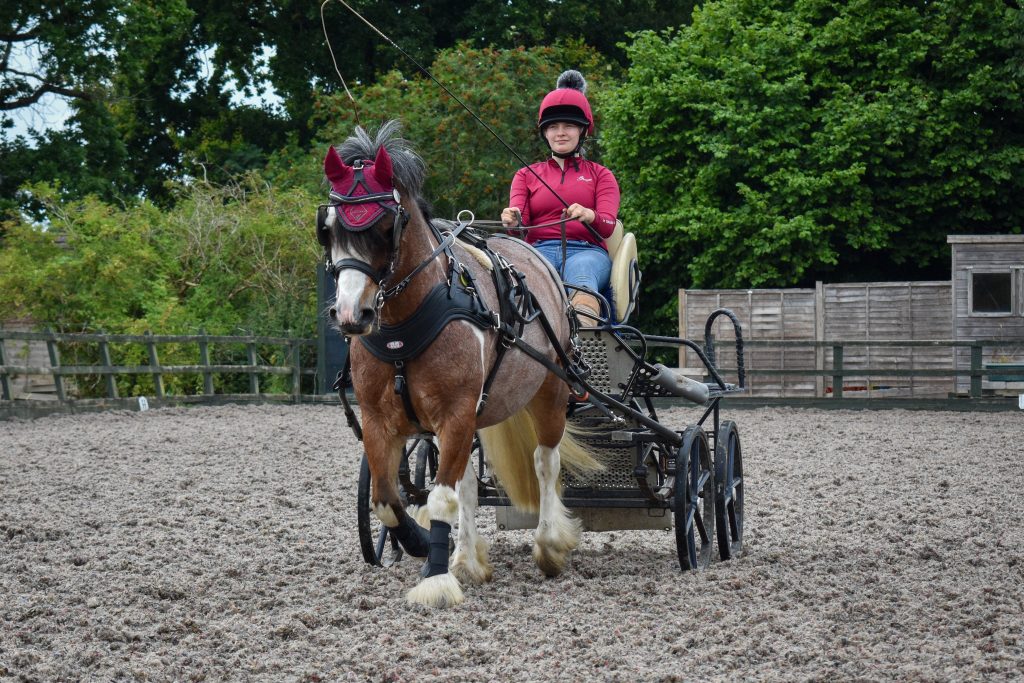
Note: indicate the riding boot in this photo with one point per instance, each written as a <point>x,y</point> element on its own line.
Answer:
<point>588,305</point>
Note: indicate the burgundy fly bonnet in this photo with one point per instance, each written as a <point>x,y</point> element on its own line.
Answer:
<point>361,193</point>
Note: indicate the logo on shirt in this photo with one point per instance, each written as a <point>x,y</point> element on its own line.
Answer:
<point>584,179</point>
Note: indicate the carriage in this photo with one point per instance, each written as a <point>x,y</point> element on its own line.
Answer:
<point>480,384</point>
<point>640,487</point>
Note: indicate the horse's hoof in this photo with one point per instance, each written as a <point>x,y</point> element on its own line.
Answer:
<point>472,568</point>
<point>442,590</point>
<point>549,560</point>
<point>560,535</point>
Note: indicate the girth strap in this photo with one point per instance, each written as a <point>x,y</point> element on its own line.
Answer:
<point>402,389</point>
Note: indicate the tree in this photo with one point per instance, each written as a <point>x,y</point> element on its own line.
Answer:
<point>772,143</point>
<point>52,49</point>
<point>154,87</point>
<point>144,111</point>
<point>467,168</point>
<point>226,257</point>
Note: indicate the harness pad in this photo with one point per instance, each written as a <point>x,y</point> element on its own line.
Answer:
<point>411,337</point>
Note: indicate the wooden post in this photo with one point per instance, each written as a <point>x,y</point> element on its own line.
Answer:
<point>819,335</point>
<point>204,359</point>
<point>296,370</point>
<point>107,364</point>
<point>837,371</point>
<point>254,381</point>
<point>154,363</point>
<point>58,379</point>
<point>976,370</point>
<point>684,350</point>
<point>5,383</point>
<point>322,383</point>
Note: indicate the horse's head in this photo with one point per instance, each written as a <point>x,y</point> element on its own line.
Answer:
<point>359,228</point>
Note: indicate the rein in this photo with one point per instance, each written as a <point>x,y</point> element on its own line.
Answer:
<point>498,226</point>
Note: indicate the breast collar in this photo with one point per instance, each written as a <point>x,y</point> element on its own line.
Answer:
<point>445,303</point>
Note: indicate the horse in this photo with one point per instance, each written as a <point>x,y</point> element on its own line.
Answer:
<point>391,264</point>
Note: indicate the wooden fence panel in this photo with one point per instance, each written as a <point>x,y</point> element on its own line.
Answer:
<point>765,314</point>
<point>846,311</point>
<point>888,311</point>
<point>287,362</point>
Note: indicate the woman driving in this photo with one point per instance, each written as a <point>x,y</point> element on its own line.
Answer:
<point>587,202</point>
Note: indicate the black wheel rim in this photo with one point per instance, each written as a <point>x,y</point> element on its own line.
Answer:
<point>729,494</point>
<point>423,452</point>
<point>694,501</point>
<point>379,547</point>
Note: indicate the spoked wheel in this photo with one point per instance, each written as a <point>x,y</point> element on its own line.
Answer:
<point>423,452</point>
<point>729,498</point>
<point>694,502</point>
<point>379,546</point>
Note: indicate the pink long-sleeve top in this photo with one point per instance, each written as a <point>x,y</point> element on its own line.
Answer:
<point>581,182</point>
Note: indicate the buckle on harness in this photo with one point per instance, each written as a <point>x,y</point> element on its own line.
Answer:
<point>399,377</point>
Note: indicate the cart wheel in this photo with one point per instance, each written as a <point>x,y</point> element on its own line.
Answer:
<point>379,546</point>
<point>729,500</point>
<point>424,453</point>
<point>694,507</point>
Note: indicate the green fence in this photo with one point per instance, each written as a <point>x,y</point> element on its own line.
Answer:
<point>913,370</point>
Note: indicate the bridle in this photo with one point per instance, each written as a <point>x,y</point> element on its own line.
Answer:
<point>388,201</point>
<point>391,202</point>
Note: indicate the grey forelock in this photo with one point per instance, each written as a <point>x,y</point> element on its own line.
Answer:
<point>408,166</point>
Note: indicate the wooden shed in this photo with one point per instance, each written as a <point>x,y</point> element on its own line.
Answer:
<point>988,303</point>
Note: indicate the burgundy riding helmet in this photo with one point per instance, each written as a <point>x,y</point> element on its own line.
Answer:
<point>567,103</point>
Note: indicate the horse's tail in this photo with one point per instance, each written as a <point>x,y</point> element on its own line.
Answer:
<point>509,446</point>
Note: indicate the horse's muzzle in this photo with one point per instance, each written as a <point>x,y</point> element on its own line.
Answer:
<point>356,327</point>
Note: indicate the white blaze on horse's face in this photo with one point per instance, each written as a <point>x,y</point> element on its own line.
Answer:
<point>355,294</point>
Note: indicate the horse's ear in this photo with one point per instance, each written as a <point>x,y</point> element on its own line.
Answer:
<point>382,169</point>
<point>336,170</point>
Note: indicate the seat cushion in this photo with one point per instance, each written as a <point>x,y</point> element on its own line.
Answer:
<point>622,259</point>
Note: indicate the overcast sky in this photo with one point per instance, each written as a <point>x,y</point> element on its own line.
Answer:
<point>52,111</point>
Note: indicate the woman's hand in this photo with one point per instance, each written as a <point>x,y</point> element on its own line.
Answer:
<point>511,217</point>
<point>578,212</point>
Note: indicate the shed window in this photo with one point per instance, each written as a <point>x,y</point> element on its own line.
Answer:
<point>992,293</point>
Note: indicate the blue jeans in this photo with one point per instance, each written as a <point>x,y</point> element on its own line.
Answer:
<point>586,264</point>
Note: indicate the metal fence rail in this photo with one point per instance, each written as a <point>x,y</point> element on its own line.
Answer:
<point>157,371</point>
<point>838,372</point>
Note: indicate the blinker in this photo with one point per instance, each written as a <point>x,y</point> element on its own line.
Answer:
<point>323,236</point>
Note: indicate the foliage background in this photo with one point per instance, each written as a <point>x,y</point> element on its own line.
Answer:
<point>757,143</point>
<point>775,143</point>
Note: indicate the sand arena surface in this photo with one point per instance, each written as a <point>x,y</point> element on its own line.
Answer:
<point>220,544</point>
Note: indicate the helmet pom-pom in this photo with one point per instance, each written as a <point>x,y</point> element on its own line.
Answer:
<point>573,80</point>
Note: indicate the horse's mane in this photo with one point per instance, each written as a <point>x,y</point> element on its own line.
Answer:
<point>408,167</point>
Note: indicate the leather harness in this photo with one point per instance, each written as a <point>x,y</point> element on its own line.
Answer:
<point>456,298</point>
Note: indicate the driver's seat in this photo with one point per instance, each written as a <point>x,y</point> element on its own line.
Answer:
<point>625,277</point>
